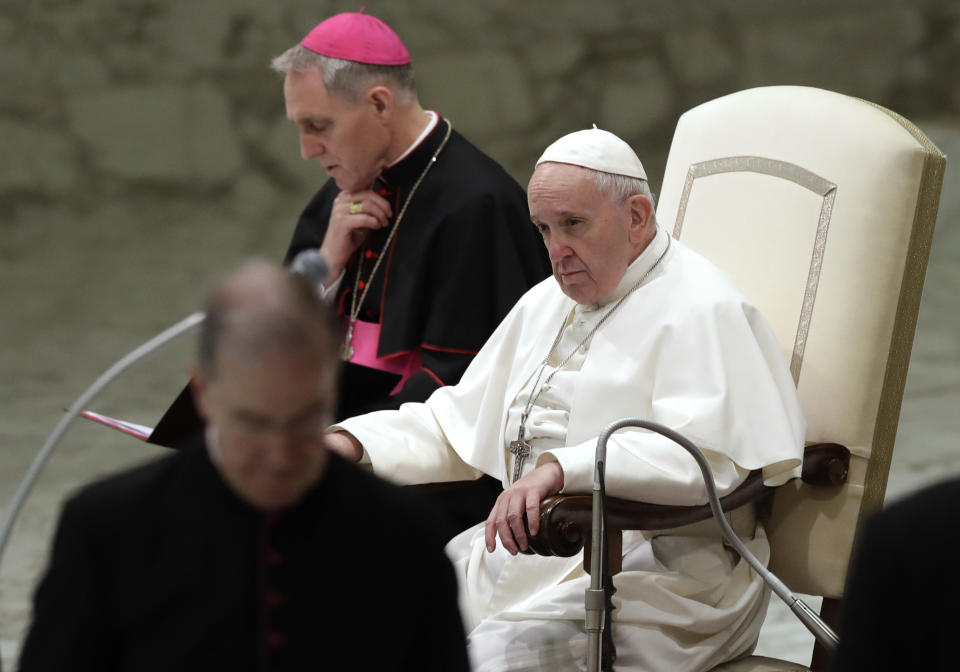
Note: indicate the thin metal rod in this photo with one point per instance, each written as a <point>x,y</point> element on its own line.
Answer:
<point>595,597</point>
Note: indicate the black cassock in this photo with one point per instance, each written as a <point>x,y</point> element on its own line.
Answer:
<point>163,567</point>
<point>900,600</point>
<point>463,254</point>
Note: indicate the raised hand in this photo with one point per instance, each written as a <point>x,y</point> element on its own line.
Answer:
<point>353,216</point>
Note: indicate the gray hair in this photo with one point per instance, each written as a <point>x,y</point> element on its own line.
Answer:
<point>619,188</point>
<point>348,80</point>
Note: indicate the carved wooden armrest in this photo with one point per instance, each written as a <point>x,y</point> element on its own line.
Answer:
<point>565,520</point>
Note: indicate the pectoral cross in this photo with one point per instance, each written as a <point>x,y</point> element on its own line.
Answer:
<point>521,450</point>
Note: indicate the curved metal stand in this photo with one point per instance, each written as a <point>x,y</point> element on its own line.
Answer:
<point>594,595</point>
<point>82,401</point>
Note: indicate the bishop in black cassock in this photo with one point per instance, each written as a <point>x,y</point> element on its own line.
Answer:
<point>430,287</point>
<point>463,255</point>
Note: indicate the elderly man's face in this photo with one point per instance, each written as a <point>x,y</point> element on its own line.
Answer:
<point>350,141</point>
<point>591,240</point>
<point>269,413</point>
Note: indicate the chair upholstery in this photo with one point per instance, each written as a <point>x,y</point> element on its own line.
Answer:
<point>822,207</point>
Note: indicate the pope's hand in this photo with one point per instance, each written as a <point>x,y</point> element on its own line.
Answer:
<point>353,216</point>
<point>344,444</point>
<point>523,497</point>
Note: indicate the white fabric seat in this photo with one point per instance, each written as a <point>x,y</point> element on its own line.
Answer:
<point>822,208</point>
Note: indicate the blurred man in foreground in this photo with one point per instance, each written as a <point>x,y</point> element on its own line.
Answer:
<point>894,617</point>
<point>256,548</point>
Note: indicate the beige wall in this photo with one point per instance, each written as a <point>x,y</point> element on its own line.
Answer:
<point>171,100</point>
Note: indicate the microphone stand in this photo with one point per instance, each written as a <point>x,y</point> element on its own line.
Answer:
<point>594,601</point>
<point>595,598</point>
<point>82,401</point>
<point>309,264</point>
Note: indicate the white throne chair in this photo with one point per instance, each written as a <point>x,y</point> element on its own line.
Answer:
<point>822,207</point>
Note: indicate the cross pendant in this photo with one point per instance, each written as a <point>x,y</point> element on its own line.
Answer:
<point>521,450</point>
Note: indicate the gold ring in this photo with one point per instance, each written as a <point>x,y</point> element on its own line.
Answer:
<point>356,208</point>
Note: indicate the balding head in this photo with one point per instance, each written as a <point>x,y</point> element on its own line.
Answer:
<point>260,308</point>
<point>265,384</point>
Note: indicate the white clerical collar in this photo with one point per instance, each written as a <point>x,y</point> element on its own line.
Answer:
<point>640,266</point>
<point>432,124</point>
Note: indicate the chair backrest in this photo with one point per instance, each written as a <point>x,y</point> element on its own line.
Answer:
<point>821,206</point>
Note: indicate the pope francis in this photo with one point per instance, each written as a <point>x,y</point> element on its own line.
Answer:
<point>632,324</point>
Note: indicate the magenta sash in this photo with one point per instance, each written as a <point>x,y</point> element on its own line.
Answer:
<point>366,336</point>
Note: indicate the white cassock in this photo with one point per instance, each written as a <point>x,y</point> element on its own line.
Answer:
<point>687,350</point>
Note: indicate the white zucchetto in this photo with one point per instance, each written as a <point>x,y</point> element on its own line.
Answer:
<point>597,150</point>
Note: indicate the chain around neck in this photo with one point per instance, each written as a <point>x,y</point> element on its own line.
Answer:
<point>355,303</point>
<point>556,342</point>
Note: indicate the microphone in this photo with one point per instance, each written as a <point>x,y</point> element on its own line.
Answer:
<point>313,266</point>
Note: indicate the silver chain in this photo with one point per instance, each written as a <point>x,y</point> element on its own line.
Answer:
<point>356,305</point>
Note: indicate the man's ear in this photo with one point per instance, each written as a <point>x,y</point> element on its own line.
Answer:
<point>380,98</point>
<point>641,215</point>
<point>200,389</point>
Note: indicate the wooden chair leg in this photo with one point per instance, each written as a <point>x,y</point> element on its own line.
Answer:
<point>614,553</point>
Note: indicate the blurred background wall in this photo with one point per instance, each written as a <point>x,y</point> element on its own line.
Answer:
<point>144,151</point>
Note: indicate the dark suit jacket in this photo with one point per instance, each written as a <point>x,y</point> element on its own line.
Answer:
<point>901,608</point>
<point>164,568</point>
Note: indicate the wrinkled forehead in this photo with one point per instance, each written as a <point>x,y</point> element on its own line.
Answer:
<point>555,170</point>
<point>255,354</point>
<point>553,175</point>
<point>559,186</point>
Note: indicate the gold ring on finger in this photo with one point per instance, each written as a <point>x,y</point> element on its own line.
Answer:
<point>356,208</point>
